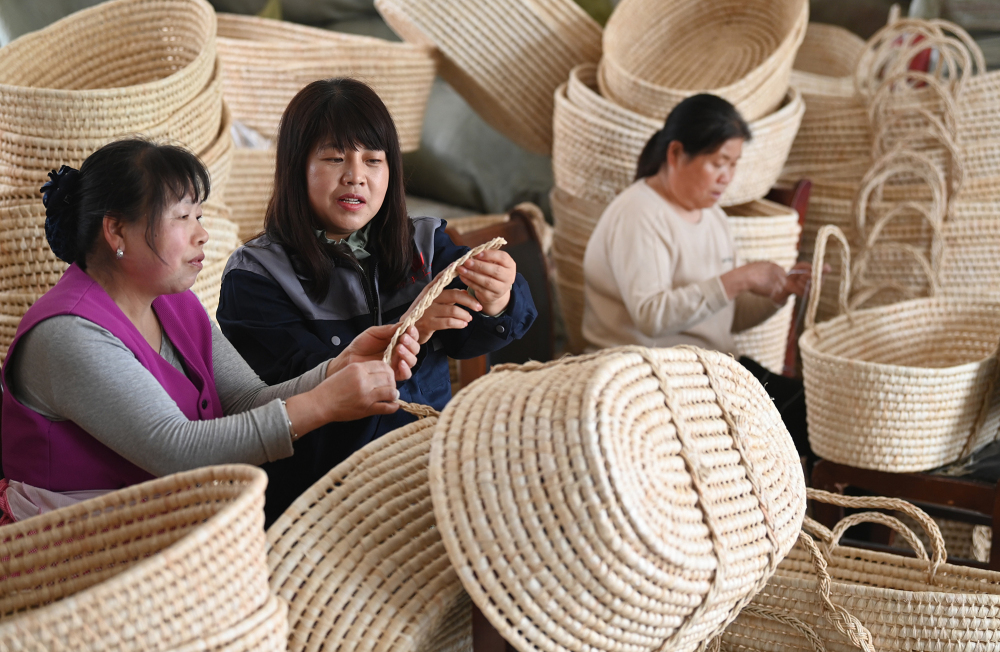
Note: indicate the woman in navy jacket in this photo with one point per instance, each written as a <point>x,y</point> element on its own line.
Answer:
<point>339,254</point>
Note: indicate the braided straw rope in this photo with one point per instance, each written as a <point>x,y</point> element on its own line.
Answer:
<point>150,567</point>
<point>755,643</point>
<point>359,556</point>
<point>632,499</point>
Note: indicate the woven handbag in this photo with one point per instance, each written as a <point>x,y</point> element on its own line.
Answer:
<point>901,603</point>
<point>149,567</point>
<point>359,557</point>
<point>505,58</point>
<point>70,80</point>
<point>899,388</point>
<point>825,62</point>
<point>266,62</point>
<point>658,52</point>
<point>633,499</point>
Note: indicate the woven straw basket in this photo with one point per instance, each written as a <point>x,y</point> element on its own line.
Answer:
<point>633,499</point>
<point>360,560</point>
<point>658,52</point>
<point>505,58</point>
<point>27,264</point>
<point>264,631</point>
<point>895,603</point>
<point>826,61</point>
<point>13,305</point>
<point>218,158</point>
<point>223,241</point>
<point>266,62</point>
<point>249,189</point>
<point>900,388</point>
<point>149,567</point>
<point>70,80</point>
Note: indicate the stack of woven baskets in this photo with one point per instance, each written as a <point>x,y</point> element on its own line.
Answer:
<point>174,564</point>
<point>655,55</point>
<point>69,89</point>
<point>266,62</point>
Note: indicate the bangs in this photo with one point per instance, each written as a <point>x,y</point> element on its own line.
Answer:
<point>347,125</point>
<point>180,174</point>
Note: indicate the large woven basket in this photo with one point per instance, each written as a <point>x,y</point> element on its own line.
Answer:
<point>120,67</point>
<point>894,603</point>
<point>266,62</point>
<point>249,189</point>
<point>27,159</point>
<point>27,264</point>
<point>359,555</point>
<point>149,567</point>
<point>633,499</point>
<point>900,388</point>
<point>218,157</point>
<point>13,305</point>
<point>826,61</point>
<point>658,52</point>
<point>223,241</point>
<point>505,58</point>
<point>264,631</point>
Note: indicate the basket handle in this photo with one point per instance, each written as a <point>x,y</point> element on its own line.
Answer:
<point>819,255</point>
<point>760,611</point>
<point>939,553</point>
<point>420,306</point>
<point>896,162</point>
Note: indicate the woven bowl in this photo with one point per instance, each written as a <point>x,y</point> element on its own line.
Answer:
<point>634,499</point>
<point>249,189</point>
<point>267,62</point>
<point>658,52</point>
<point>70,80</point>
<point>149,567</point>
<point>825,62</point>
<point>506,59</point>
<point>359,556</point>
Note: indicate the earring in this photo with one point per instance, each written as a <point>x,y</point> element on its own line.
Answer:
<point>119,253</point>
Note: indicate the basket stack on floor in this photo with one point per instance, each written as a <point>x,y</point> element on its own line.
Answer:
<point>68,89</point>
<point>177,563</point>
<point>605,114</point>
<point>266,62</point>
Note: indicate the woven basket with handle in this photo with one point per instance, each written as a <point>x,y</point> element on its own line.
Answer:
<point>150,567</point>
<point>851,599</point>
<point>120,67</point>
<point>658,52</point>
<point>505,58</point>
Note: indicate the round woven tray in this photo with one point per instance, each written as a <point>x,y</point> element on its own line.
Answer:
<point>825,62</point>
<point>264,631</point>
<point>900,388</point>
<point>359,556</point>
<point>27,160</point>
<point>658,52</point>
<point>149,567</point>
<point>506,59</point>
<point>633,499</point>
<point>249,189</point>
<point>70,80</point>
<point>267,62</point>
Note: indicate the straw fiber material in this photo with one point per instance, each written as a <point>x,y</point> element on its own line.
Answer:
<point>505,58</point>
<point>149,567</point>
<point>633,499</point>
<point>13,305</point>
<point>904,603</point>
<point>223,241</point>
<point>249,189</point>
<point>27,264</point>
<point>264,631</point>
<point>70,80</point>
<point>658,52</point>
<point>825,62</point>
<point>359,557</point>
<point>900,388</point>
<point>218,157</point>
<point>266,62</point>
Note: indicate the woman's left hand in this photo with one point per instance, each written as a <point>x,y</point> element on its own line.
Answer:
<point>795,282</point>
<point>371,344</point>
<point>490,276</point>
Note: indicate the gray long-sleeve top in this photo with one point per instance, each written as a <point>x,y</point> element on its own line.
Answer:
<point>69,368</point>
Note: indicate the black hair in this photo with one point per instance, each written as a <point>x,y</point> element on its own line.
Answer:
<point>701,123</point>
<point>345,114</point>
<point>129,180</point>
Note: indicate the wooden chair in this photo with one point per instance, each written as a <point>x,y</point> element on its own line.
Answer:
<point>968,501</point>
<point>524,246</point>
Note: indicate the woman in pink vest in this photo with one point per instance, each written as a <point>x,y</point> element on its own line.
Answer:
<point>116,375</point>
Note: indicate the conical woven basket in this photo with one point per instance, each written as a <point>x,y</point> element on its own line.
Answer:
<point>826,61</point>
<point>360,560</point>
<point>149,567</point>
<point>266,62</point>
<point>123,66</point>
<point>249,189</point>
<point>658,52</point>
<point>633,499</point>
<point>900,388</point>
<point>902,603</point>
<point>264,631</point>
<point>505,58</point>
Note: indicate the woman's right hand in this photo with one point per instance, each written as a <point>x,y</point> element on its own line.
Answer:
<point>445,313</point>
<point>760,277</point>
<point>359,390</point>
